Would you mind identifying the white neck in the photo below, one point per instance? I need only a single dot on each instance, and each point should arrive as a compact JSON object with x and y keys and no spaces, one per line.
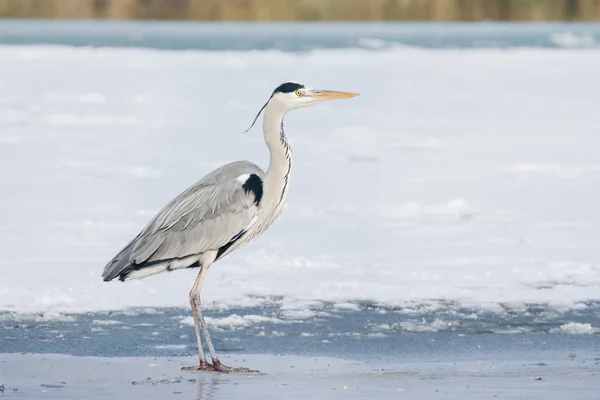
{"x":280,"y":165}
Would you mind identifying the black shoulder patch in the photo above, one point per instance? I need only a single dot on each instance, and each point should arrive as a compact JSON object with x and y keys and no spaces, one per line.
{"x":255,"y":185}
{"x":288,"y":87}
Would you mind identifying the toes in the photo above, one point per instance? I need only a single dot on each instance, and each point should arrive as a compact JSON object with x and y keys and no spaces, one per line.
{"x":218,"y":367}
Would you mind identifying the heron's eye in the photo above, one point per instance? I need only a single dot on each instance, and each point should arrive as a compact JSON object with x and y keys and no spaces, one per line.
{"x":298,"y":93}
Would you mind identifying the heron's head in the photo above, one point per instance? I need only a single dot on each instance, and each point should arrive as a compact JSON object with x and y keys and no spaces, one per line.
{"x":294,"y":95}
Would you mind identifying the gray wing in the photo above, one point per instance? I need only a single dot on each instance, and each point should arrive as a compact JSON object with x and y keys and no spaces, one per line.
{"x":206,"y":216}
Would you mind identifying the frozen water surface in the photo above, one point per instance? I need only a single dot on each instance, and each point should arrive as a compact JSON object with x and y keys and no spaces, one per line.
{"x":299,"y":36}
{"x":67,"y":377}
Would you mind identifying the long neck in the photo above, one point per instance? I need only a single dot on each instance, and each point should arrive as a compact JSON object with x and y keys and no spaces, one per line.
{"x":280,"y":165}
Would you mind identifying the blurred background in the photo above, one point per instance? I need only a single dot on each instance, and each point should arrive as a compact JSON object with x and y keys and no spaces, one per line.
{"x":307,"y":10}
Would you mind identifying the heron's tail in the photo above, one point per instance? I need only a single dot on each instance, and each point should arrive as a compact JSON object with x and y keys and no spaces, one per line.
{"x":119,"y":263}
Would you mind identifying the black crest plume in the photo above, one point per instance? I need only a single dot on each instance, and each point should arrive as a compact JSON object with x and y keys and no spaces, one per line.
{"x":257,"y":115}
{"x":287,"y":87}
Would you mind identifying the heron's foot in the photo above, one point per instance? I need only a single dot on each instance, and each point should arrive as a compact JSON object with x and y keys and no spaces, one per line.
{"x":224,"y":368}
{"x":201,"y":367}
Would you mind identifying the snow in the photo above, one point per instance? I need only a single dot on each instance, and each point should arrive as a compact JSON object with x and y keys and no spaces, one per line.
{"x":105,"y":322}
{"x":417,"y":326}
{"x":233,"y":321}
{"x":458,"y":178}
{"x":572,"y":40}
{"x":532,"y":170}
{"x":576,"y":328}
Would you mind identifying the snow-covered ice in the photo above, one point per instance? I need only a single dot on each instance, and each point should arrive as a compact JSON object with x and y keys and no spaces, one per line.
{"x":457,"y":178}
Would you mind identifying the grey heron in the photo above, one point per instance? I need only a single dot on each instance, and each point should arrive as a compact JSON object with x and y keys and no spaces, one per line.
{"x":220,"y":213}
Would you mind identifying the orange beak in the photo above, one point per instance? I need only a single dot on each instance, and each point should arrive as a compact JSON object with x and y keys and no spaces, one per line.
{"x":332,"y":95}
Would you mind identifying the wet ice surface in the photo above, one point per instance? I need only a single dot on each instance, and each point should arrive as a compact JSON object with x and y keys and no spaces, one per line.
{"x":290,"y":377}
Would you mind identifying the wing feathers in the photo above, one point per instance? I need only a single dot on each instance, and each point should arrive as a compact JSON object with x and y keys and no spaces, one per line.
{"x":144,"y":249}
{"x":204,"y":217}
